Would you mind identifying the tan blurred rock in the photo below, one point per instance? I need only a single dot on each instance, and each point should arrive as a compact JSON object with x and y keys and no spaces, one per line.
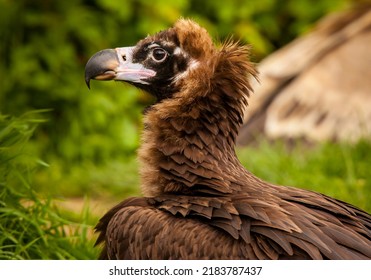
{"x":318,"y":87}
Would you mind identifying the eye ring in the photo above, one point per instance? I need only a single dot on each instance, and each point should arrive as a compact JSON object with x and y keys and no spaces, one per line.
{"x":159,"y":54}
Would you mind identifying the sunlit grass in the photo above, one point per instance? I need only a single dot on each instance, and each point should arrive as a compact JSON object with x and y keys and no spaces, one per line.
{"x":31,"y":228}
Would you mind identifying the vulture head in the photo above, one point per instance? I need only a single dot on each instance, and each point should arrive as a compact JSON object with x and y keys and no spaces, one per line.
{"x":174,"y":62}
{"x":162,"y":64}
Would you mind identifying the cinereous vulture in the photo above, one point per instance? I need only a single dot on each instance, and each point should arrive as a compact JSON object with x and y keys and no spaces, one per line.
{"x":198,"y":201}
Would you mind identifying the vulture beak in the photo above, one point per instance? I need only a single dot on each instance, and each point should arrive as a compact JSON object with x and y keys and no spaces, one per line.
{"x":116,"y":64}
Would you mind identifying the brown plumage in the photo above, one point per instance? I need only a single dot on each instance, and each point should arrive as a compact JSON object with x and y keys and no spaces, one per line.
{"x":199,"y":201}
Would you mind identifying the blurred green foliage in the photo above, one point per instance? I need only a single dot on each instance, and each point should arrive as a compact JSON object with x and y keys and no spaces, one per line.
{"x":31,"y":227}
{"x":44,"y":45}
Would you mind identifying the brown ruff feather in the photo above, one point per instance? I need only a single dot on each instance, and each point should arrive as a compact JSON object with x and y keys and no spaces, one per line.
{"x":200,"y":202}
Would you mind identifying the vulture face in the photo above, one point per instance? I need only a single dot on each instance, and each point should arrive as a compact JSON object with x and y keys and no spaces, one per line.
{"x":155,"y":64}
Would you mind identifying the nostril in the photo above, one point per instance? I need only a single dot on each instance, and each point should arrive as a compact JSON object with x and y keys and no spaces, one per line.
{"x":124,"y":57}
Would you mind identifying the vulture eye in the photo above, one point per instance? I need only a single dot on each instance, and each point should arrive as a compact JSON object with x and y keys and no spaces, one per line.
{"x":159,"y":55}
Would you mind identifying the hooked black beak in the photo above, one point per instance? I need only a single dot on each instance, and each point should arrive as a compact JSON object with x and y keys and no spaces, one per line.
{"x":116,"y":64}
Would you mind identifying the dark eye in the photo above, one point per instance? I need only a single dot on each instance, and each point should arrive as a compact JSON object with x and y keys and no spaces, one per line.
{"x":159,"y":55}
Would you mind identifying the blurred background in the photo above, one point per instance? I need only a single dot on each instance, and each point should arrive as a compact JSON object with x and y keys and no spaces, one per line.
{"x":68,"y":154}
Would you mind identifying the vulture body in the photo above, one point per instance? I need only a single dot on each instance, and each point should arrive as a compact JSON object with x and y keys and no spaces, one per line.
{"x":199,"y":201}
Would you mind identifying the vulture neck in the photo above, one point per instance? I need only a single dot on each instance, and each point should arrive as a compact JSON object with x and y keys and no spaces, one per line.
{"x":188,"y":152}
{"x":189,"y":139}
